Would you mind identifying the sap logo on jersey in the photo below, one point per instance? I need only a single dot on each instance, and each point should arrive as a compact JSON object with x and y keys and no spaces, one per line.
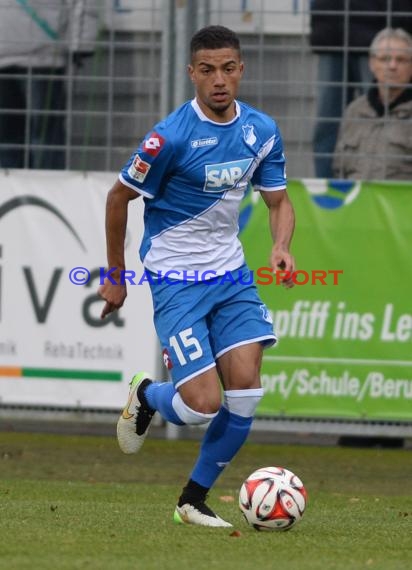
{"x":226,"y":175}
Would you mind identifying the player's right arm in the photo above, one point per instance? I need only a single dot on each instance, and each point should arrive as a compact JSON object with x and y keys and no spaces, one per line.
{"x":117,"y":204}
{"x":142,"y":175}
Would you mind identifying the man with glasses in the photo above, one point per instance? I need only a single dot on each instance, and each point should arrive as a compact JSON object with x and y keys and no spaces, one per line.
{"x":341,"y":32}
{"x":375,"y":137}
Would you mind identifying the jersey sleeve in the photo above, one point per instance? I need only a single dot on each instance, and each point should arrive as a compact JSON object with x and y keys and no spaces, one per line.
{"x":149,"y":165}
{"x":270,"y":175}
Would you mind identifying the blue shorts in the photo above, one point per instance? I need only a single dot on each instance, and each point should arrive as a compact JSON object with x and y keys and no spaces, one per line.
{"x":197,"y":322}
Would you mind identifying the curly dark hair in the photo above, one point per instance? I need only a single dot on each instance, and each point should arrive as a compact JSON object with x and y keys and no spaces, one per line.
{"x":214,"y":37}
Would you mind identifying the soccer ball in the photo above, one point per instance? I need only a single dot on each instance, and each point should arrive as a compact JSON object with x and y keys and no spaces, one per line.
{"x":272,"y":498}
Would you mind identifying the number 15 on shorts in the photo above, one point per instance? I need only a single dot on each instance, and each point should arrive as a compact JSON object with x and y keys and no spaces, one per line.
{"x":186,"y":346}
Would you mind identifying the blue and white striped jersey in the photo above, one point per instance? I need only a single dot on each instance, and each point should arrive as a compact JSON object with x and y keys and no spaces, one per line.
{"x":193,"y":173}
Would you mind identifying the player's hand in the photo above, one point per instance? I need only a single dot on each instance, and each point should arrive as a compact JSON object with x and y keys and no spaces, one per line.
{"x":283,"y":263}
{"x":114,"y":295}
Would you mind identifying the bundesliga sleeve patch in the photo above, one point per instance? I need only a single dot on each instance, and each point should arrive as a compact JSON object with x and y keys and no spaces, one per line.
{"x":138,"y":169}
{"x":154,"y":144}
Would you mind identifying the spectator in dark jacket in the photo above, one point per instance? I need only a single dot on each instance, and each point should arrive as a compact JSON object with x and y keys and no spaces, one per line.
{"x":341,"y":33}
{"x":40,"y":40}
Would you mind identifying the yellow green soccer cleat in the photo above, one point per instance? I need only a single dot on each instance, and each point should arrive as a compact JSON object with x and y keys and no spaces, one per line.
{"x":133,"y":425}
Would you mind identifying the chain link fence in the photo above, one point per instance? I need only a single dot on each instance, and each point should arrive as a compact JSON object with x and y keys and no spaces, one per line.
{"x":133,"y":72}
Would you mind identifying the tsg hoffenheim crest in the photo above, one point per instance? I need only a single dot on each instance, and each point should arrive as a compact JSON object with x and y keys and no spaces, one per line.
{"x":249,"y":134}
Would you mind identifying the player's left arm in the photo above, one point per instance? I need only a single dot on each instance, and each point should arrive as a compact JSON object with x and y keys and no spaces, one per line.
{"x":282,"y":225}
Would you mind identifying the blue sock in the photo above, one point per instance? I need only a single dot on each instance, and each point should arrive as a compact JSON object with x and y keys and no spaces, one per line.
{"x":224,"y":437}
{"x":159,"y":396}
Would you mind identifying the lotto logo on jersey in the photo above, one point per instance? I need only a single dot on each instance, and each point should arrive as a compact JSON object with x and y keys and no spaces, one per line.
{"x":226,"y":175}
{"x":153,"y":145}
{"x":138,"y":169}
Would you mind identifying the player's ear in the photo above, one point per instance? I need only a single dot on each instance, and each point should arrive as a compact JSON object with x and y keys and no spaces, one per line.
{"x":190,"y":71}
{"x":241,"y":67}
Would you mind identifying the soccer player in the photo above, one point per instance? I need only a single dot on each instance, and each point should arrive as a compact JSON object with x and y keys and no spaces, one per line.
{"x":193,"y":170}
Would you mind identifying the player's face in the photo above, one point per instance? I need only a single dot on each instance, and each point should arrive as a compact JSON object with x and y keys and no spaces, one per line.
{"x":216,"y":75}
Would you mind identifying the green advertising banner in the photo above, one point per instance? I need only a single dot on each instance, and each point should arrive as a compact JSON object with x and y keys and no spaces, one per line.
{"x":345,"y":331}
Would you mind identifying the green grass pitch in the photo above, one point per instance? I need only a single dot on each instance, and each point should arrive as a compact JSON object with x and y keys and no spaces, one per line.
{"x":76,"y":502}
